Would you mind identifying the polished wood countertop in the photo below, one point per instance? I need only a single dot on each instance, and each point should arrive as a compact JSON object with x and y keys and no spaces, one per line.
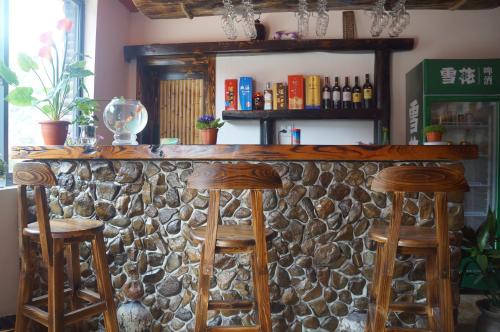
{"x":250,"y":152}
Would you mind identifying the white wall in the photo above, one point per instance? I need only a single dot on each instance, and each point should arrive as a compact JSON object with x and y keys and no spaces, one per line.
{"x":439,"y":34}
{"x":9,"y":253}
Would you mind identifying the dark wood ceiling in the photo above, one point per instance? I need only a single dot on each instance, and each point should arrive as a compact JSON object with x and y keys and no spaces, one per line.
{"x":191,"y":8}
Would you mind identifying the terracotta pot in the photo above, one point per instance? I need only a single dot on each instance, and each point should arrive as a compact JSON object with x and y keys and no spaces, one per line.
{"x":209,"y":136}
{"x":54,"y":132}
{"x":434,"y":136}
{"x":489,"y":320}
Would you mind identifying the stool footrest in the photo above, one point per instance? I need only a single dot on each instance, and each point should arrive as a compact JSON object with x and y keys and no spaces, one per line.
{"x":417,"y":308}
{"x":36,"y":314}
{"x":44,"y":298}
{"x":255,"y":328}
{"x":230,"y":305}
{"x":89,"y":296}
{"x":85,"y":312}
{"x":406,"y":329}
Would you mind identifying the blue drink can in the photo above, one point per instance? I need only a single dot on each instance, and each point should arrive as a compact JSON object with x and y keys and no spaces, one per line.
{"x":295,"y":136}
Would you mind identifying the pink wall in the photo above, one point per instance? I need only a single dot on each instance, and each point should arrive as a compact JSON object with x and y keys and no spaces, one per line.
{"x":111,"y":70}
{"x":439,"y":34}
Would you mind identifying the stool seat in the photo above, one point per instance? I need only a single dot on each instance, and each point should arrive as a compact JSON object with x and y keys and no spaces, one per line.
{"x":67,"y":228}
{"x":230,"y":235}
{"x":409,"y":236}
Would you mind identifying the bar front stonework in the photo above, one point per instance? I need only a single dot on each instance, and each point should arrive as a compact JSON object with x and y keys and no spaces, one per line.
{"x":320,"y":261}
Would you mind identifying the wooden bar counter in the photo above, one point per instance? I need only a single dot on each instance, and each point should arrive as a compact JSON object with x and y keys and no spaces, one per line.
{"x":320,"y":262}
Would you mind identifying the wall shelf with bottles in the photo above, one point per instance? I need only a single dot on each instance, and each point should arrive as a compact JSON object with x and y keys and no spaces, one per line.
{"x":152,"y":58}
{"x":363,"y":114}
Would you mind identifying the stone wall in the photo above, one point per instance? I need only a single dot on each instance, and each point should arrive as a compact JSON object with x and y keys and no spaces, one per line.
{"x":320,"y":262}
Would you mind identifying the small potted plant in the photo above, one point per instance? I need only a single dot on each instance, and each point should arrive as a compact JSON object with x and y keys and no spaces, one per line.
{"x":86,"y":119}
{"x":483,"y":265}
{"x":57,"y":77}
{"x":209,"y":127}
{"x":434,"y":133}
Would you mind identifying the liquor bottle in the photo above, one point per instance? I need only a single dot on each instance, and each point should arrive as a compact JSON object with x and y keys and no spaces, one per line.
{"x":336,"y":95}
{"x":367,"y":93}
{"x":268,"y":97}
{"x":346,"y":95}
{"x":356,"y":94}
{"x":326,"y":99}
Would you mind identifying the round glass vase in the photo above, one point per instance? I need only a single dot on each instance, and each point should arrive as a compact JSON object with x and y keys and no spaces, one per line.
{"x":88,"y":135}
{"x":125,"y":118}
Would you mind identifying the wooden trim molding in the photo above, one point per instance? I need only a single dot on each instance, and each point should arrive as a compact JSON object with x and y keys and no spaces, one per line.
{"x":250,"y":152}
{"x":262,"y":46}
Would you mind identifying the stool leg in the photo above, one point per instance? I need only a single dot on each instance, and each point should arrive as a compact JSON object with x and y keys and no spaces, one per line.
{"x":260,"y":260}
{"x":73,"y":270}
{"x":207,"y":261}
{"x":25,"y":289}
{"x":431,"y":277}
{"x":203,"y":289}
{"x":375,"y":286}
{"x":443,"y":262}
{"x":56,"y":288}
{"x":104,"y":282}
{"x":387,"y":264}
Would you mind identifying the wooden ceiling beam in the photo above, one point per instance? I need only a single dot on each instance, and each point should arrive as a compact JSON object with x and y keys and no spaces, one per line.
{"x":168,"y":9}
{"x":129,"y":4}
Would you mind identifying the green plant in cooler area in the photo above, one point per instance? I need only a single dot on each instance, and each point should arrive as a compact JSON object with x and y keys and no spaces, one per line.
{"x":485,"y":258}
{"x":208,"y":121}
{"x":437,"y":128}
{"x":87,"y":109}
{"x":56,"y":76}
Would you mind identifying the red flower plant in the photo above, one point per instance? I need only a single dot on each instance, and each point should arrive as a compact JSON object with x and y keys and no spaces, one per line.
{"x":65,"y":24}
{"x":46,"y":38}
{"x":45,"y":53}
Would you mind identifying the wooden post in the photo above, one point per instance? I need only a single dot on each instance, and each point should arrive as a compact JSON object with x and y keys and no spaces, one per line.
{"x":382,"y":86}
{"x":267,"y":130}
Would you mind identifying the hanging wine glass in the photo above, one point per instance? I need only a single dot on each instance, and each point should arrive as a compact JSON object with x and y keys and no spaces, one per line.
{"x":228,"y":20}
{"x":249,"y":19}
{"x":302,"y":19}
{"x":323,"y":18}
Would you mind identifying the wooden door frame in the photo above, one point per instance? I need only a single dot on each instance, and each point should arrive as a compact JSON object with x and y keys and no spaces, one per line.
{"x":149,"y":73}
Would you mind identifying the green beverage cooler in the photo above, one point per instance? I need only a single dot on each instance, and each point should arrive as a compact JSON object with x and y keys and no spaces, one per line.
{"x":464,"y":97}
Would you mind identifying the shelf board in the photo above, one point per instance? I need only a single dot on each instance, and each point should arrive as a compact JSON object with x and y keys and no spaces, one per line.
{"x":370,"y":114}
{"x":270,"y":46}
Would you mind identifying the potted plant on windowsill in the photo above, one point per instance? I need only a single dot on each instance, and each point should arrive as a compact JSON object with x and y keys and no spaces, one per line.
{"x":55,"y":93}
{"x":484,"y":262}
{"x":209,"y":127}
{"x":434,"y":133}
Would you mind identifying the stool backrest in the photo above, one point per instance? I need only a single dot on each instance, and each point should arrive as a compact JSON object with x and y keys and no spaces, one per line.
{"x":420,"y":179}
{"x":37,"y":175}
{"x":234,"y":176}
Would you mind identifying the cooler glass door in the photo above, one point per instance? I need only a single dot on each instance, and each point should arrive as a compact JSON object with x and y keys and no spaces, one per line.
{"x":473,"y":122}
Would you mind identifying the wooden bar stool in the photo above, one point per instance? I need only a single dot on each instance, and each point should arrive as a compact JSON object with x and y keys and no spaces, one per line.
{"x":432,"y":243}
{"x":216,"y":238}
{"x":58,"y":237}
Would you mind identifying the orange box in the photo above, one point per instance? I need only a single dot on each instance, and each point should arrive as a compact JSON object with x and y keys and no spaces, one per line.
{"x":295,"y":92}
{"x":231,"y":95}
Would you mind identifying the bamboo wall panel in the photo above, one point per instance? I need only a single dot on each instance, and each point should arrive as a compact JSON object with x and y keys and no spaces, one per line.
{"x":181,"y":103}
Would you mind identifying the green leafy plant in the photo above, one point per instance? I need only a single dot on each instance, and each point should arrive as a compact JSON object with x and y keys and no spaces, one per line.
{"x":208,"y":121}
{"x":434,"y":129}
{"x":87,"y":109}
{"x":486,"y":258}
{"x":57,"y":77}
{"x":3,"y":166}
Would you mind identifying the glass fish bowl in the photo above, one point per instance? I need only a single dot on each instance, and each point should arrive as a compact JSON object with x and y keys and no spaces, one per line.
{"x":125,"y":118}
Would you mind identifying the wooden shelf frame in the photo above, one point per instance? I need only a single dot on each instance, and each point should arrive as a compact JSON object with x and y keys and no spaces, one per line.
{"x":382,"y":49}
{"x":362,"y":114}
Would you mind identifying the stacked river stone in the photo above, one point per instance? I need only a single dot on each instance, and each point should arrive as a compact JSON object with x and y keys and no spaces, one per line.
{"x":320,"y":261}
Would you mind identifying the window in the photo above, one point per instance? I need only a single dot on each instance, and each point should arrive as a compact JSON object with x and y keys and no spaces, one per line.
{"x":4,"y":24}
{"x":25,"y":28}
